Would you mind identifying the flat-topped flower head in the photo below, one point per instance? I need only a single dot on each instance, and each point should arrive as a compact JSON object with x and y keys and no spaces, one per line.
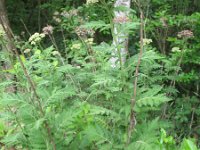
{"x":76,"y":46}
{"x":83,"y":32}
{"x":176,"y":49}
{"x":56,"y":13}
{"x":48,"y":30}
{"x":89,"y":41}
{"x":121,"y":19}
{"x":55,"y":53}
{"x":2,"y":32}
{"x":91,"y":1}
{"x":56,"y":16}
{"x":185,"y":34}
{"x":36,"y":38}
{"x":27,"y":50}
{"x":147,"y":41}
{"x":70,"y":13}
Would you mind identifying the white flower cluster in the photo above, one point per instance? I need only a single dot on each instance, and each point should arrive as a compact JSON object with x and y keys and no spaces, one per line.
{"x":76,"y":46}
{"x":2,"y":32}
{"x":89,"y":41}
{"x":56,"y":17}
{"x":176,"y":49}
{"x":54,"y":53}
{"x":91,"y":1}
{"x":48,"y":30}
{"x":66,"y":14}
{"x":147,"y":41}
{"x":27,"y":50}
{"x":185,"y":34}
{"x":36,"y":38}
{"x":70,"y":13}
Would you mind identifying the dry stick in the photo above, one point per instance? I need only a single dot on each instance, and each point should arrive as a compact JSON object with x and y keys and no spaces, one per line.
{"x":8,"y":51}
{"x":39,"y":15}
{"x":25,"y":27}
{"x":89,"y":52}
{"x":37,"y":97}
{"x":132,"y":113}
{"x":53,"y":40}
{"x":10,"y":54}
{"x":192,"y":119}
{"x":32,"y":86}
{"x":63,"y":36}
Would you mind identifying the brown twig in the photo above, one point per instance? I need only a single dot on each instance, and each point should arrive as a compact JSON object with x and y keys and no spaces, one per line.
{"x":63,"y":36}
{"x":39,"y":16}
{"x":89,"y":52}
{"x":31,"y":84}
{"x":37,"y":97}
{"x":25,"y":27}
{"x":192,"y":119}
{"x":132,"y":113}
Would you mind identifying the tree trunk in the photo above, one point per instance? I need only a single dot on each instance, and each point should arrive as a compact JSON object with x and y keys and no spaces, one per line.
{"x":7,"y":41}
{"x":120,"y":54}
{"x":6,"y":26}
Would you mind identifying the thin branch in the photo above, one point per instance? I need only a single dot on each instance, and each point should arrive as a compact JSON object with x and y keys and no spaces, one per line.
{"x":192,"y":119}
{"x":31,"y":84}
{"x":89,"y":52}
{"x":132,"y":113}
{"x":39,"y":16}
{"x":25,"y":27}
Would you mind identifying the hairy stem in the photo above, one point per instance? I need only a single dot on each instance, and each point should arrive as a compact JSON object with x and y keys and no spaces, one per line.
{"x":132,"y":113}
{"x":47,"y":127}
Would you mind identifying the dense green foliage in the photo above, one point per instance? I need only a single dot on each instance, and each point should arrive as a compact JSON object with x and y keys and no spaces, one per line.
{"x":71,"y":97}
